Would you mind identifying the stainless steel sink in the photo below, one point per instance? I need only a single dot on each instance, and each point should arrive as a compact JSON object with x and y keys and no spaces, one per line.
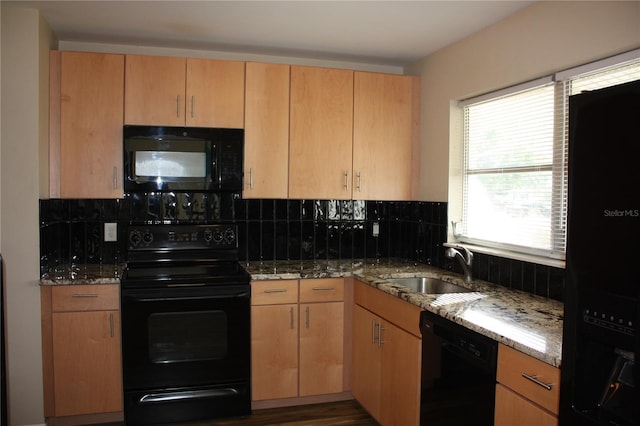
{"x":429,"y":285}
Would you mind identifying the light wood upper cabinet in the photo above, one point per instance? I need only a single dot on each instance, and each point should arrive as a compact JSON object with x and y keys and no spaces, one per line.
{"x":321,"y":128}
{"x":215,"y":93}
{"x":86,"y":125}
{"x":81,"y":350}
{"x":266,"y":159}
{"x":384,"y":135}
{"x":174,"y":91}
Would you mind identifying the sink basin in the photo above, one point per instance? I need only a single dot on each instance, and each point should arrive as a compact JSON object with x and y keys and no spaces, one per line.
{"x":429,"y":285}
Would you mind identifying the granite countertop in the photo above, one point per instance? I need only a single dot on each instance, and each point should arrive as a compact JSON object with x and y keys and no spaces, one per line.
{"x":83,"y":274}
{"x":528,"y":323}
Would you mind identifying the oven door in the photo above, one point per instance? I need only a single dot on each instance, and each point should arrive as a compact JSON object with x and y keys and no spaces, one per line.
{"x":186,"y":349}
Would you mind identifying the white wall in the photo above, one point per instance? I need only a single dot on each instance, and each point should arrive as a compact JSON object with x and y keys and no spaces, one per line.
{"x":25,"y":43}
{"x":547,"y":36}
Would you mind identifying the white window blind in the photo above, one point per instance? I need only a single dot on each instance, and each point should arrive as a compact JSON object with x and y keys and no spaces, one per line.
{"x":514,"y":183}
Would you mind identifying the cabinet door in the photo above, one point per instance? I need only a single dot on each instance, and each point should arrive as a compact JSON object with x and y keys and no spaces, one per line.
{"x":266,"y":136}
{"x":321,"y":348}
{"x":215,"y":93}
{"x":383,"y":131}
{"x":366,"y":365}
{"x":321,"y":128}
{"x":274,"y":351}
{"x":400,"y":387}
{"x":87,"y":364}
{"x":90,"y":125}
{"x":512,"y":409}
{"x":154,"y":90}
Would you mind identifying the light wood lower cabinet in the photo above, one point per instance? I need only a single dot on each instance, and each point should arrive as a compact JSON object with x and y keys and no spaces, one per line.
{"x":528,"y":390}
{"x":386,"y":356}
{"x":81,"y":351}
{"x":297,"y":338}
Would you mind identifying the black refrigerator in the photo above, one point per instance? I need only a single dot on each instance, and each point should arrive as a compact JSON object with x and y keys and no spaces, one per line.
{"x":601,"y":334}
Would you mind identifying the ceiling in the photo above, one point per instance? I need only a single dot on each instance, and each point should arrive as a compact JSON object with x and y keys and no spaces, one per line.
{"x":393,"y":33}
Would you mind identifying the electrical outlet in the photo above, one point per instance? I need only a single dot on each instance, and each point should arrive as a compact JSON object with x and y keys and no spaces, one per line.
{"x":110,"y":232}
{"x":376,"y":229}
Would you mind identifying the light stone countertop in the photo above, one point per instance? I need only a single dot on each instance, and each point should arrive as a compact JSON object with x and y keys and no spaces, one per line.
{"x":528,"y":323}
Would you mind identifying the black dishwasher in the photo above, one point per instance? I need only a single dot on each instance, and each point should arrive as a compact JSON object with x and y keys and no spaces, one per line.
{"x":458,"y":374}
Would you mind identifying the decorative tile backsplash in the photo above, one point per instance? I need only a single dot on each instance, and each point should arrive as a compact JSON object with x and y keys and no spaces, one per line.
{"x":71,"y":232}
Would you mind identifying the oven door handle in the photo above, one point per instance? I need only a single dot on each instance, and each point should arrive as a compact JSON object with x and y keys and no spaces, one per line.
{"x":179,"y":298}
{"x":152,"y":398}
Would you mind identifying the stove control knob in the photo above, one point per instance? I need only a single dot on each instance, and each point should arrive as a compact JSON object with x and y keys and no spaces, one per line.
{"x":208,"y":235}
{"x":134,"y":238}
{"x":217,"y":237}
{"x":229,"y":236}
{"x":147,"y":238}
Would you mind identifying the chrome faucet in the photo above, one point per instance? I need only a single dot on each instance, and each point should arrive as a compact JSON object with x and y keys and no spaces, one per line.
{"x":465,"y":259}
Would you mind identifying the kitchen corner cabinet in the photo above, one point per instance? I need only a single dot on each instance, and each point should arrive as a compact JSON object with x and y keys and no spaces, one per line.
{"x":81,"y":350}
{"x":385,"y":134}
{"x":297,"y":337}
{"x":173,"y":91}
{"x":321,"y":133}
{"x":266,"y":136}
{"x":528,"y":390}
{"x":86,"y":110}
{"x":386,"y":356}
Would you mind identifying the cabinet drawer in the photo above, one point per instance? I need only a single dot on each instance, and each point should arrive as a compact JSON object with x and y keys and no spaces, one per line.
{"x":401,"y":313}
{"x":520,"y":372}
{"x":96,"y":297}
{"x":274,"y":292}
{"x":322,"y":290}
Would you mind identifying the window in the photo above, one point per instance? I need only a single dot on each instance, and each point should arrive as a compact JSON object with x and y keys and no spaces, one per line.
{"x":514,"y":174}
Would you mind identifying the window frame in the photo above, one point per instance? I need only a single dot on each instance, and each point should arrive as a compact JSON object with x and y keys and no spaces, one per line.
{"x":561,"y":81}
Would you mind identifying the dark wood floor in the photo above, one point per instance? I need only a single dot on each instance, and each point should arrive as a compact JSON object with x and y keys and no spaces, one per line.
{"x":344,"y":413}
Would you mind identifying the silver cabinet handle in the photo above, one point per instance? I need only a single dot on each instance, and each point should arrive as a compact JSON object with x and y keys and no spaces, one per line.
{"x":115,"y":177}
{"x":276,"y":290}
{"x":250,"y":178}
{"x":193,"y":106}
{"x":323,"y":288}
{"x":359,"y":186}
{"x":534,"y":379}
{"x":111,"y":325}
{"x":291,"y":318}
{"x":346,"y":180}
{"x":307,"y":317}
{"x":178,"y":106}
{"x":84,"y":295}
{"x":380,"y":330}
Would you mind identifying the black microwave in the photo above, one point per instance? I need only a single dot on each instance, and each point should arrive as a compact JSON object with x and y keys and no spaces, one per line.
{"x":160,"y":159}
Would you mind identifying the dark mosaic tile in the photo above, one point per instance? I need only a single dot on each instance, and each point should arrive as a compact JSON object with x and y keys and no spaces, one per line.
{"x":281,"y":208}
{"x":529,"y":278}
{"x":254,"y":235}
{"x":268,"y":210}
{"x":267,"y":248}
{"x":282,"y":241}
